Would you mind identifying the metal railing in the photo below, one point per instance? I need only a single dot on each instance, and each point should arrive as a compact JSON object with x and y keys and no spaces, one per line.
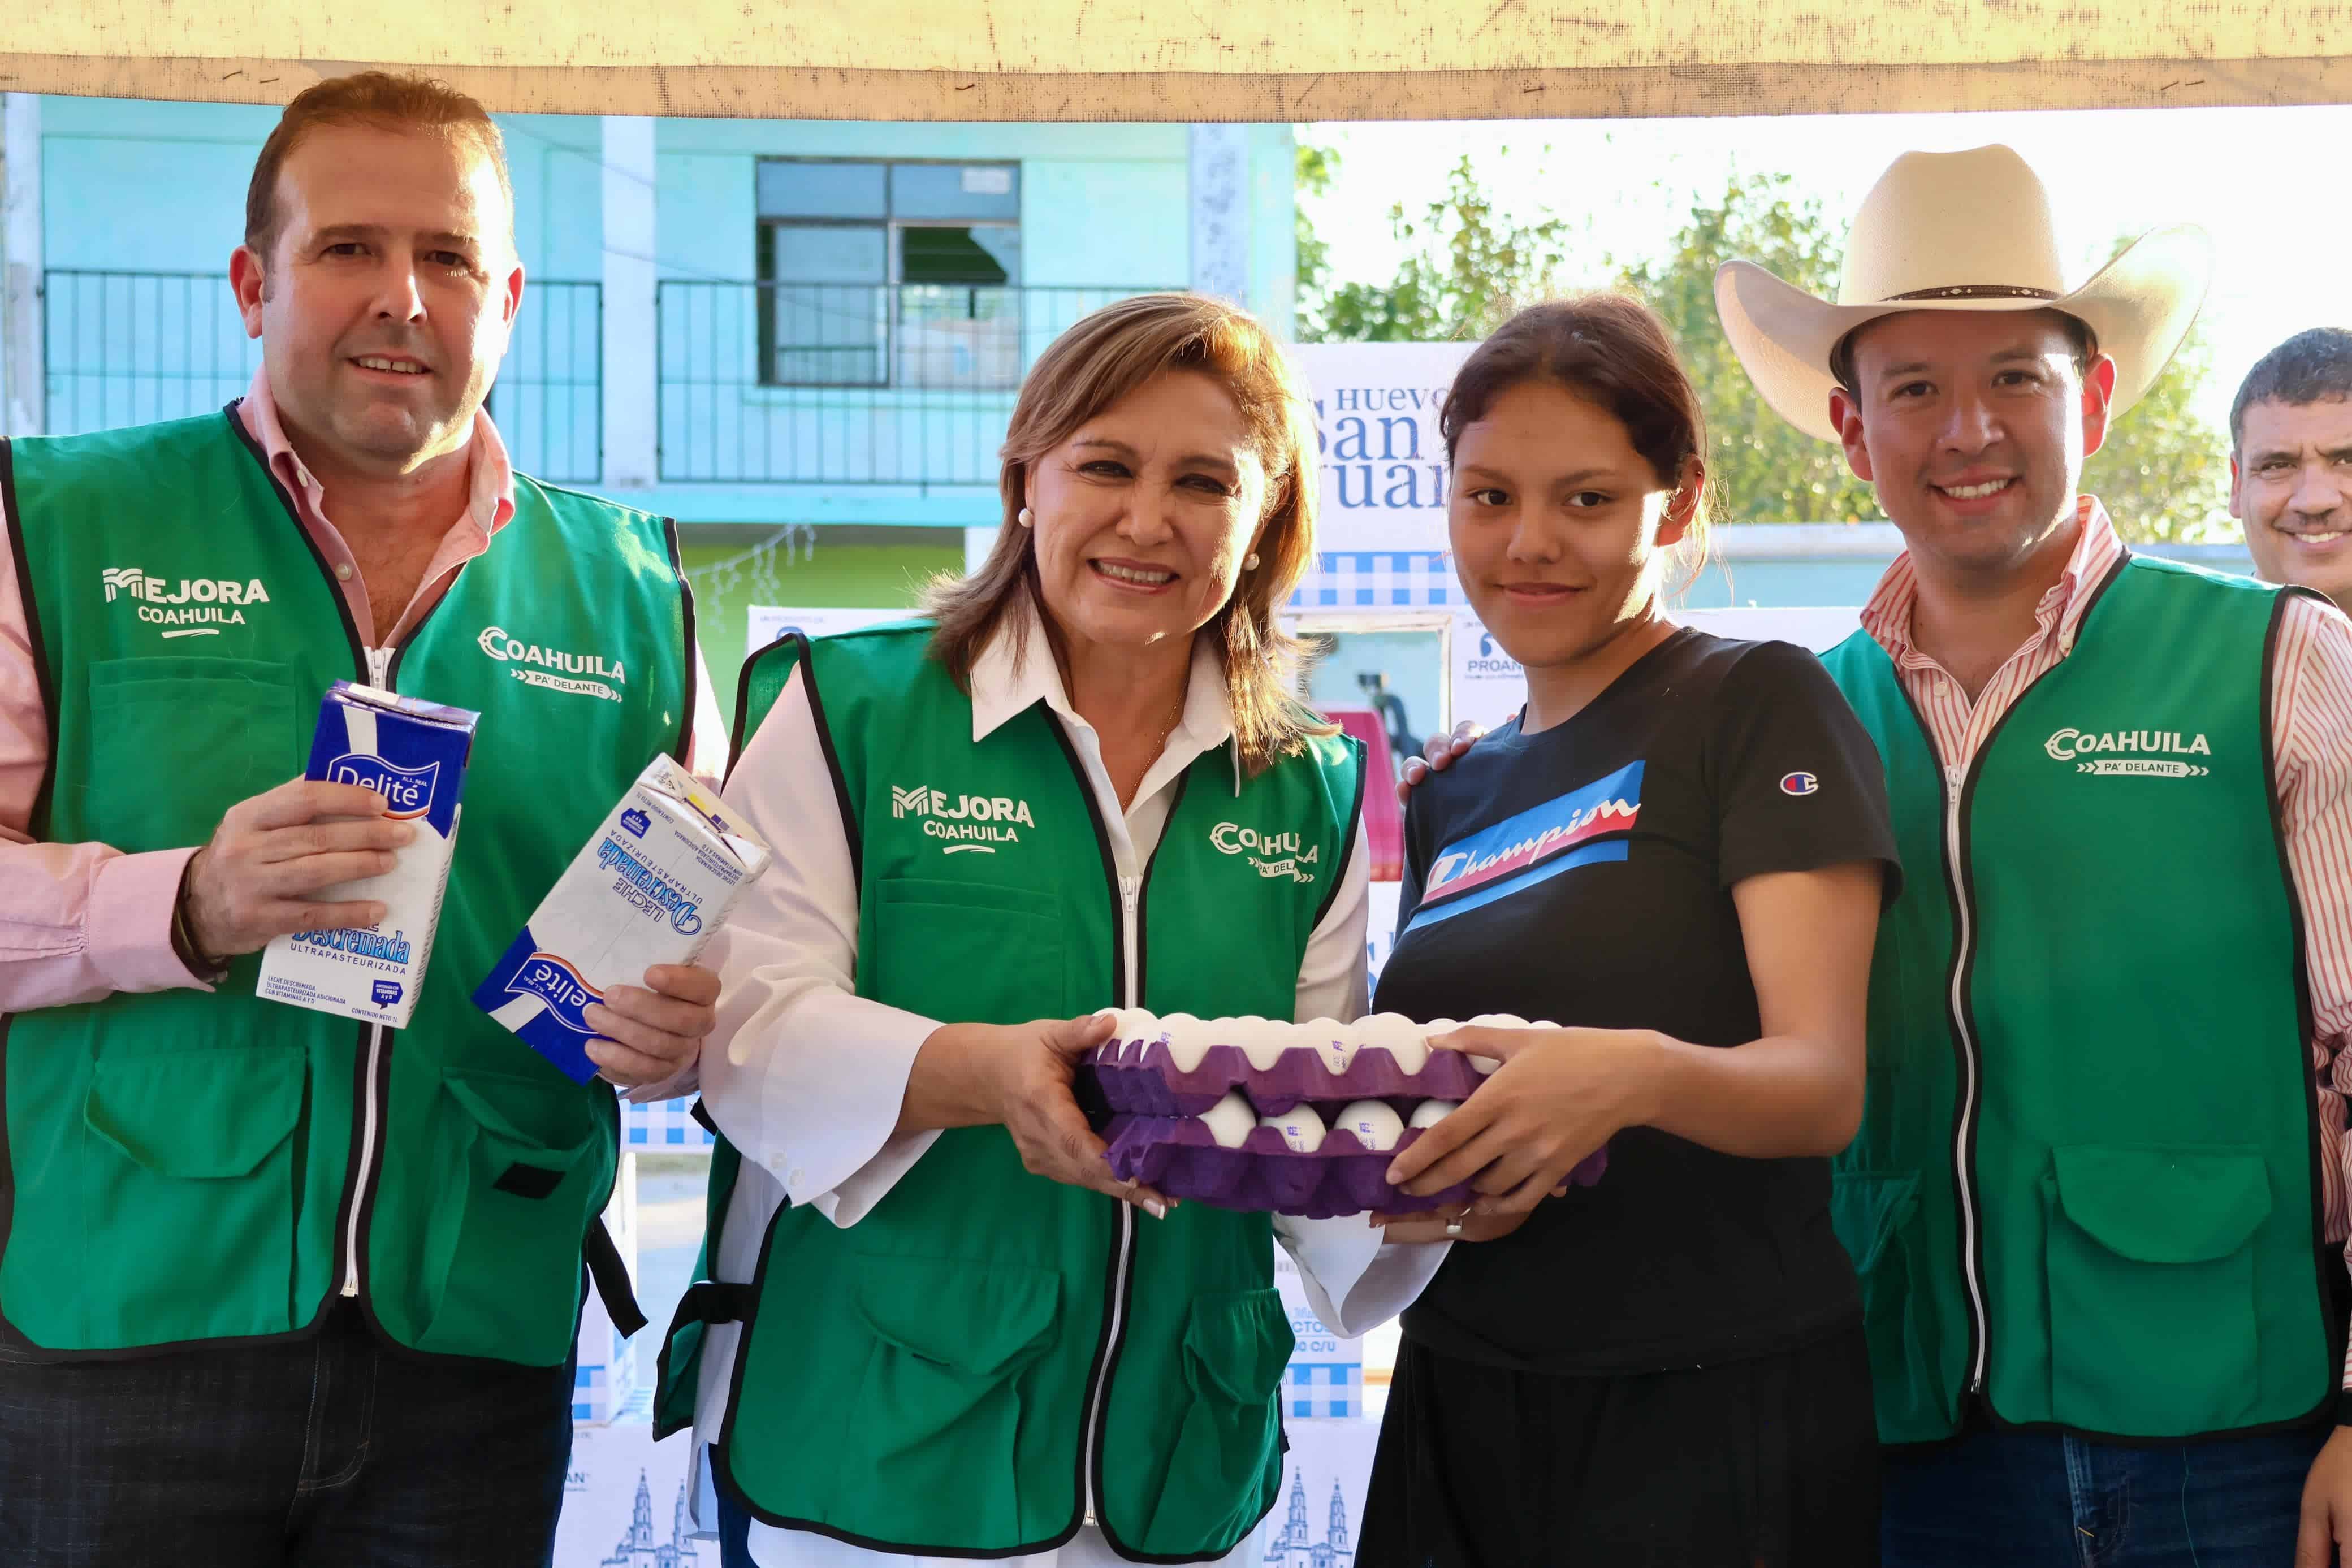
{"x":130,"y":347}
{"x":849,"y":383}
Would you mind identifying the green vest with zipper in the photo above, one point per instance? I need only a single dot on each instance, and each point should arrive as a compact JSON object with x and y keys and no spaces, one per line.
{"x":947,"y":1375}
{"x":183,"y":1166}
{"x":2086,"y":1186}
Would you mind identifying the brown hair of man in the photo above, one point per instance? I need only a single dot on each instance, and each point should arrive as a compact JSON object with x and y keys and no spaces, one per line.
{"x":380,"y":99}
{"x":1099,"y":361}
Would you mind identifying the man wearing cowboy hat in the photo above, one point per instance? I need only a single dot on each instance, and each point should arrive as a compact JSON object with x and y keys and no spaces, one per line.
{"x":2097,"y":1200}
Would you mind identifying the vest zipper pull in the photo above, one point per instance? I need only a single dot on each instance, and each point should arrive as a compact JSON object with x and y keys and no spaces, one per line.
{"x":379,"y":668}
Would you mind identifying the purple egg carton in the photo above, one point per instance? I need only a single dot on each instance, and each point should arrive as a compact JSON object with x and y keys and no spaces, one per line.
{"x":1177,"y":1155}
{"x":1140,"y":1078}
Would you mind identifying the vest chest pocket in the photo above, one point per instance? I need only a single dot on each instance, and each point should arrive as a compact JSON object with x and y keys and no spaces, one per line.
{"x":189,"y":1193}
{"x":1236,"y":1344}
{"x":968,"y":953}
{"x":502,"y":1246}
{"x":2151,"y":1266}
{"x":221,"y":730}
{"x":936,"y":1421}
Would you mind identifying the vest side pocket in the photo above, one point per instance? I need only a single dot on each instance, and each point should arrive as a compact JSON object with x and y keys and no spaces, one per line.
{"x":1236,"y":1343}
{"x":935,"y":1421}
{"x":2152,"y":1307}
{"x":501,"y":1264}
{"x":141,"y":729}
{"x":1871,"y":1213}
{"x":189,"y":1190}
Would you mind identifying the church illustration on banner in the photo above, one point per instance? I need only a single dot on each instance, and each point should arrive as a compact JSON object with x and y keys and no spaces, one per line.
{"x":639,"y":1550}
{"x":1292,"y":1549}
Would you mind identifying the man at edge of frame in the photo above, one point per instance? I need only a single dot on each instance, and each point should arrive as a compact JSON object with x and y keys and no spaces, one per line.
{"x":277,"y":1287}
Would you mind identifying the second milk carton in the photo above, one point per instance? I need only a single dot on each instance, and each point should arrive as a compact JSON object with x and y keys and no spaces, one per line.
{"x":650,"y":887}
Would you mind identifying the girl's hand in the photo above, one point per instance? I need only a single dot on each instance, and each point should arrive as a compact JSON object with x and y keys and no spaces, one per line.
{"x":1559,"y":1094}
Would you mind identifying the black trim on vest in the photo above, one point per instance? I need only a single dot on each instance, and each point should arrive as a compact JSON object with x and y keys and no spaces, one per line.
{"x":603,"y":1260}
{"x":739,"y":740}
{"x":684,"y":751}
{"x":701,"y":1113}
{"x":342,"y":605}
{"x":1351,"y":829}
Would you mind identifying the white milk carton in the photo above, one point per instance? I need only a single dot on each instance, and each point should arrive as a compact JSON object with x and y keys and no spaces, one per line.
{"x":414,"y":754}
{"x":652,"y":885}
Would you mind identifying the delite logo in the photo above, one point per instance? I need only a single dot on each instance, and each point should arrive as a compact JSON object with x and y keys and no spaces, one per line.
{"x":976,"y":823}
{"x":554,"y":981}
{"x":2129,"y":753}
{"x":408,"y":792}
{"x":1274,"y":854}
{"x":183,"y":607}
{"x":584,"y":674}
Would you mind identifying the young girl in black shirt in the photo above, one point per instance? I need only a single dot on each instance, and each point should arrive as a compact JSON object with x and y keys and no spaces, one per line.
{"x":1677,"y":854}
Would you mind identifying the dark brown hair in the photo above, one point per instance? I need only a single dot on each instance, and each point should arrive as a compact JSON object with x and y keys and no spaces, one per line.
{"x":368,"y":98}
{"x":1103,"y":359}
{"x":1610,"y":350}
{"x":2085,"y":341}
{"x":2308,"y":368}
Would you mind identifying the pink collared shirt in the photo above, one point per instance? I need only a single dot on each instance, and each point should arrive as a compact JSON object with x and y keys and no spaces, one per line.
{"x":2311,"y":737}
{"x":79,"y":920}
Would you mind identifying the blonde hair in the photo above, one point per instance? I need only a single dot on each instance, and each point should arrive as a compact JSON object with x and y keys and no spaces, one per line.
{"x":1102,"y":359}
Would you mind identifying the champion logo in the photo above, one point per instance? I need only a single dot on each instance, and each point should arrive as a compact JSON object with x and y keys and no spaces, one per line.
{"x":1799,"y":784}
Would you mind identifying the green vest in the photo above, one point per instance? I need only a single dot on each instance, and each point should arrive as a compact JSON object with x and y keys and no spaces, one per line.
{"x":2086,"y":1187}
{"x":183,"y":1166}
{"x":947,"y":1375}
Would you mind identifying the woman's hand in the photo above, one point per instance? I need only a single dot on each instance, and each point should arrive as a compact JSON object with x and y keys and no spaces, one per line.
{"x":1559,"y":1094}
{"x":1018,"y":1076}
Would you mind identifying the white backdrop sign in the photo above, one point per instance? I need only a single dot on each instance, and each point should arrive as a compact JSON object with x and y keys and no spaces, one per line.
{"x":1382,"y":460}
{"x":769,"y":621}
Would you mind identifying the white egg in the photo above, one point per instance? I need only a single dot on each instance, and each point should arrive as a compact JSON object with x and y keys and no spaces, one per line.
{"x":1432,"y":1111}
{"x":1230,"y":1121}
{"x":1137,"y":1024}
{"x":1375,"y":1126}
{"x":1301,"y":1128}
{"x":1263,"y":1040}
{"x":1188,"y":1039}
{"x":1406,"y":1042}
{"x":1331,"y":1041}
{"x":1495,"y":1020}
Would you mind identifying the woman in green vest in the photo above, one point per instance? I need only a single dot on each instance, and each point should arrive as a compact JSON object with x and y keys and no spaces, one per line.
{"x":936,"y":1325}
{"x":1677,"y":850}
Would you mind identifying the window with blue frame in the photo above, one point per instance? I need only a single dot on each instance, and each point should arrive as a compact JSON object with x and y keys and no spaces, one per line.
{"x":889,"y":274}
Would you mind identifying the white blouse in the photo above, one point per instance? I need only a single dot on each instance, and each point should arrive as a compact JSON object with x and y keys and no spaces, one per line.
{"x":806,"y":1078}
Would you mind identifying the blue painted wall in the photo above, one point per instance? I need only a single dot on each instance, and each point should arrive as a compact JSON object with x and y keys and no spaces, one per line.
{"x":131,"y":186}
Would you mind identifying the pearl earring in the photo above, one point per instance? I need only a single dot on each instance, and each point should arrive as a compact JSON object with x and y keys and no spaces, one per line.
{"x":1249,"y":562}
{"x":1025,"y":517}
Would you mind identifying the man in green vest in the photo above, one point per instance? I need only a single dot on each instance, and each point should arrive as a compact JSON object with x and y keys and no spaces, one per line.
{"x":2097,"y":1201}
{"x":2291,"y":462}
{"x":277,"y":1287}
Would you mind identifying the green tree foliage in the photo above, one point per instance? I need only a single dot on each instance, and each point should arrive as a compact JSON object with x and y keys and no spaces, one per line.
{"x":1467,"y":267}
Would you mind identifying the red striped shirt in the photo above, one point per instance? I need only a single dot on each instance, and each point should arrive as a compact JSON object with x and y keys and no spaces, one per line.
{"x":2311,"y":687}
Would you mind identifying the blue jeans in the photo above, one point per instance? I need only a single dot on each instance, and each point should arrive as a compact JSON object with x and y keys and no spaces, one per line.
{"x":328,"y":1451}
{"x":2036,"y":1500}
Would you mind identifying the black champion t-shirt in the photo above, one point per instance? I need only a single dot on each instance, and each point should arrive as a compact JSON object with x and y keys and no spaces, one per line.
{"x":1582,"y":876}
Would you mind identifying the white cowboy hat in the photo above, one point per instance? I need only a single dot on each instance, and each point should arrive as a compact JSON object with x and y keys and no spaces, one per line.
{"x":1961,"y":231}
